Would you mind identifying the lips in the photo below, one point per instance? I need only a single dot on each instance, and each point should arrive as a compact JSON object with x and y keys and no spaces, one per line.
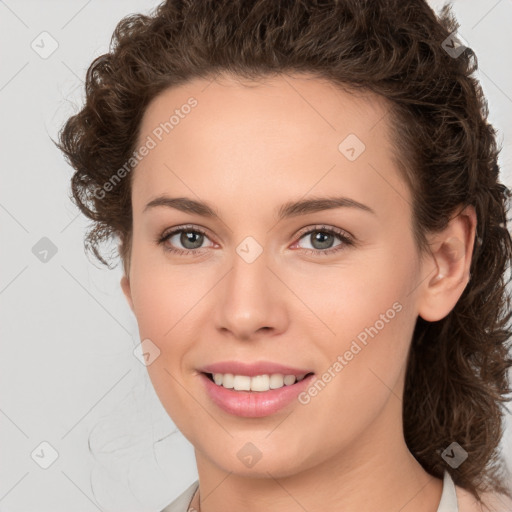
{"x":254,"y":403}
{"x":253,"y":369}
{"x":250,"y":404}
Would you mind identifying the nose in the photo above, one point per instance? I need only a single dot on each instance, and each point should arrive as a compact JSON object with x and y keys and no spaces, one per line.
{"x":251,"y":300}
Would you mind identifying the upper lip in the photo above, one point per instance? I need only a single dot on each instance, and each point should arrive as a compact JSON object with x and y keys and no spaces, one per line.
{"x":253,"y":369}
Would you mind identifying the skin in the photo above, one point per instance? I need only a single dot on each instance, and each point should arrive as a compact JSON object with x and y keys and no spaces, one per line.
{"x":246,"y":149}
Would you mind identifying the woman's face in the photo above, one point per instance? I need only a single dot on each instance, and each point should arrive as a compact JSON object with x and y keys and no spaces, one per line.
{"x":261,"y":287}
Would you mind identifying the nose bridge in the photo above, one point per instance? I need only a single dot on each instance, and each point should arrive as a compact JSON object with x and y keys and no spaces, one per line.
{"x":249,"y":268}
{"x":249,"y":277}
{"x":250,"y":297}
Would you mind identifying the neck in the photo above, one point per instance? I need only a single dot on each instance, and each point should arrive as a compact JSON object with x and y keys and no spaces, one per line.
{"x":373,"y":473}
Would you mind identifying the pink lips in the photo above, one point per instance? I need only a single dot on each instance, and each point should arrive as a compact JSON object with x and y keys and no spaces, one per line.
{"x":253,"y":369}
{"x":253,"y":404}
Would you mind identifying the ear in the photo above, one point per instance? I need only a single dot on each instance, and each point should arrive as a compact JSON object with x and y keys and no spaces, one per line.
{"x":125,"y":285}
{"x":450,"y":257}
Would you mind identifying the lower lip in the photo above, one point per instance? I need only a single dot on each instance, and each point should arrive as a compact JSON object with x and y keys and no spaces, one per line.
{"x":253,"y":404}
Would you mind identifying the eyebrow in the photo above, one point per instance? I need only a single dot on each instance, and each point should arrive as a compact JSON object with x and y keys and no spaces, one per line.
{"x":287,"y":210}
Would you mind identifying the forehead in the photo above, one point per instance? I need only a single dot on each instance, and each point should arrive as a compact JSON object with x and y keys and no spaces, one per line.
{"x":266,"y":104}
{"x":274,"y":138}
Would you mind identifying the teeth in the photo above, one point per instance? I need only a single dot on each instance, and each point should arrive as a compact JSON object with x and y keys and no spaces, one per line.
{"x":276,"y":381}
{"x":242,"y":383}
{"x":260,"y":383}
{"x":256,"y":383}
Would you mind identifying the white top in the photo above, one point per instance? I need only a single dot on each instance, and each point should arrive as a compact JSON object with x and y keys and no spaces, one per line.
{"x":448,"y":501}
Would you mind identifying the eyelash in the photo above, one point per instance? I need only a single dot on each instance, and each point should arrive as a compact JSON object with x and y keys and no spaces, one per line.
{"x":346,"y":240}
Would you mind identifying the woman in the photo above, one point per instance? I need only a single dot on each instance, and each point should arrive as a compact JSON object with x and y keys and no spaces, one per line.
{"x":314,"y":243}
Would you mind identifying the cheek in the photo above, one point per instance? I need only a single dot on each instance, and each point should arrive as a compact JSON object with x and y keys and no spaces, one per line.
{"x":366,"y":297}
{"x":164,"y":308}
{"x":363,"y":368}
{"x":370,"y":310}
{"x":164,"y":294}
{"x":371,"y":343}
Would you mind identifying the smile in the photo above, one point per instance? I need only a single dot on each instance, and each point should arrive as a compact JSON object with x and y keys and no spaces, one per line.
{"x":259,"y":383}
{"x":259,"y":402}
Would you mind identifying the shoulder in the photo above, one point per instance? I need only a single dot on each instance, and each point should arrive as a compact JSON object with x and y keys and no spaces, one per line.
{"x":492,"y":502}
{"x":182,"y":502}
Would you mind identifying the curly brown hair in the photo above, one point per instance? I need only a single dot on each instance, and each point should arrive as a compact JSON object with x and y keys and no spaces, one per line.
{"x":457,"y":375}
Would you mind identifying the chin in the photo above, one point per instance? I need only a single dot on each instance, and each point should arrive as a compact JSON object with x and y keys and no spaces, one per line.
{"x":270,"y":460}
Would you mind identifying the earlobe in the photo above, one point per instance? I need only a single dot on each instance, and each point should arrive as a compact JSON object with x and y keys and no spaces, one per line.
{"x":451,"y":255}
{"x":125,"y":286}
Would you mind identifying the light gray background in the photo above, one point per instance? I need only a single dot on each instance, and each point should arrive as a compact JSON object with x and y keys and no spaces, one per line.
{"x":67,"y":369}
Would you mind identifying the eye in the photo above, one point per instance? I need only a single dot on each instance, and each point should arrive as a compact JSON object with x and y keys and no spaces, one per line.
{"x":323,"y":239}
{"x":190,"y":237}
